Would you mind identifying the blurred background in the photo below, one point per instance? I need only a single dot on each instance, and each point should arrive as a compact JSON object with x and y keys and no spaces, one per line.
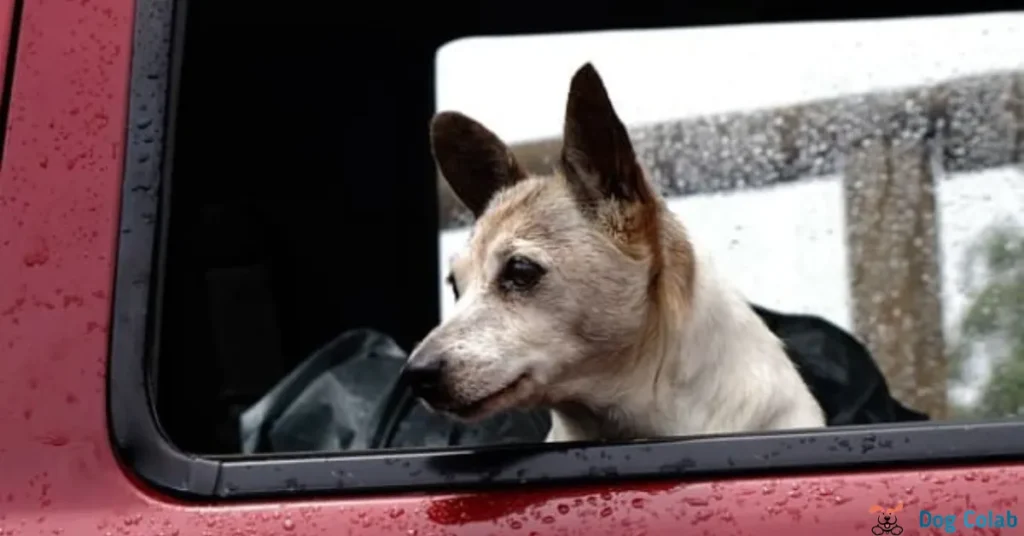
{"x":868,"y":172}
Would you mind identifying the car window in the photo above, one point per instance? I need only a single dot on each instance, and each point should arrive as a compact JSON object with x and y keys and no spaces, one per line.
{"x":854,"y":184}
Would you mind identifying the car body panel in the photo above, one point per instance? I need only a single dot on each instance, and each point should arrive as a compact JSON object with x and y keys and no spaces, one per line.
{"x":60,"y":189}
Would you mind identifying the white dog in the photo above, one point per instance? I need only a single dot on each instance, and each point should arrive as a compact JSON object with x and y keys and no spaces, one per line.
{"x":581,"y":292}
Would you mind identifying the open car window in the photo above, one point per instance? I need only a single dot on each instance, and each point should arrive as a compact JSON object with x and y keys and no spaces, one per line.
{"x":862,"y":194}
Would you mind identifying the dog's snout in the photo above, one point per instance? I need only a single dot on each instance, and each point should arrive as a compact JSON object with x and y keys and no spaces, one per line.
{"x":425,"y":376}
{"x":424,"y":371}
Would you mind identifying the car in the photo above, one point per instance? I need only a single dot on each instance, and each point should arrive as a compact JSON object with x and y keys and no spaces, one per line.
{"x":141,"y":157}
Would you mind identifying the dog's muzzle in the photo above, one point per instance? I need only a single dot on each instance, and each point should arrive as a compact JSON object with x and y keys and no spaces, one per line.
{"x":425,"y":377}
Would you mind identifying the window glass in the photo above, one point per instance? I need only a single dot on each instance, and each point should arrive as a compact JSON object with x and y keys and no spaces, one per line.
{"x":766,"y":141}
{"x":858,"y":182}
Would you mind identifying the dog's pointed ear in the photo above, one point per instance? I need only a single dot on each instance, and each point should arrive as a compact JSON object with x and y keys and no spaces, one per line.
{"x":474,"y":161}
{"x":597,"y":155}
{"x":898,"y":507}
{"x":874,"y":509}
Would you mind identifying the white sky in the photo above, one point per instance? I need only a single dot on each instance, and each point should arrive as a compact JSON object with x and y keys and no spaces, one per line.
{"x":517,"y":87}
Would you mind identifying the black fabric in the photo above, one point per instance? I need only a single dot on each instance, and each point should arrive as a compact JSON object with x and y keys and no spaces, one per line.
{"x":348,"y":396}
{"x":838,"y":370}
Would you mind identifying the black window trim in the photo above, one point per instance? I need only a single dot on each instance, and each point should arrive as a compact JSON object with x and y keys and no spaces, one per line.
{"x":143,"y":447}
{"x":10,"y":63}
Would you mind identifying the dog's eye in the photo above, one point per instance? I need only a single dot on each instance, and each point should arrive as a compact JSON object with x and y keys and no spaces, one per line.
{"x":451,"y":282}
{"x":520,"y":274}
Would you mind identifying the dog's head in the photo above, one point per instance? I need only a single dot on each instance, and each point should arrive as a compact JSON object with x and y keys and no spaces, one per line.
{"x":555,"y":283}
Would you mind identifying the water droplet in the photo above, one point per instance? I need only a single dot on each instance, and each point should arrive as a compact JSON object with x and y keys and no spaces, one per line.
{"x":36,"y":258}
{"x":54,"y":440}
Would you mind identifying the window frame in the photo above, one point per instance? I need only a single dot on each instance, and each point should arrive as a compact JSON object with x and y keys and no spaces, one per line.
{"x":141,"y":444}
{"x":10,"y":34}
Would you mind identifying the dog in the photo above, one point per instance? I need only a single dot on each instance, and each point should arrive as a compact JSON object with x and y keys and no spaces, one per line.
{"x":886,"y":520}
{"x":580,"y":292}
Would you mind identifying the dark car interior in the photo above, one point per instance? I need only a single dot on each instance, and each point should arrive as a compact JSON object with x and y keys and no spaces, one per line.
{"x":297,"y":214}
{"x":284,"y":230}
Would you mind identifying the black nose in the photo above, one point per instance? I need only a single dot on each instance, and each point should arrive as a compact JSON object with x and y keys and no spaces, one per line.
{"x":425,"y":377}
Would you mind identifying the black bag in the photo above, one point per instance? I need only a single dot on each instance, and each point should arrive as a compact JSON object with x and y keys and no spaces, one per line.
{"x":838,"y":370}
{"x":347,"y":396}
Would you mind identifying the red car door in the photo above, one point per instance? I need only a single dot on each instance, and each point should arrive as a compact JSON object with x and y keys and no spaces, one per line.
{"x":82,"y":454}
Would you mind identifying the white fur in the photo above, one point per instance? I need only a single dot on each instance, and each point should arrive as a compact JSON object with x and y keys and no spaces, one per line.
{"x":726,"y":372}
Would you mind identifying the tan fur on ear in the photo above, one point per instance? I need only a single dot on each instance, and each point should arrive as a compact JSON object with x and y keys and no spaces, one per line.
{"x":473,"y":160}
{"x":875,"y":509}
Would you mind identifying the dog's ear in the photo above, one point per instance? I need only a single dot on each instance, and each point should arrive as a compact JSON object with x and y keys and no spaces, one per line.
{"x":474,"y":161}
{"x":597,"y":155}
{"x":875,"y":509}
{"x":898,"y":507}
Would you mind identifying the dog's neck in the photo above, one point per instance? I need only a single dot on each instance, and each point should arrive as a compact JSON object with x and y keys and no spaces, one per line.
{"x":631,"y":391}
{"x":704,"y":363}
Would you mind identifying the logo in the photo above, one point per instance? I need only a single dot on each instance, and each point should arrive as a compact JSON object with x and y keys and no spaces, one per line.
{"x":969,"y":519}
{"x":886,"y":520}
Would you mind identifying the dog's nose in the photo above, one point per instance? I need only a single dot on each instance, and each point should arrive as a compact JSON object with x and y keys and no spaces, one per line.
{"x":424,"y":376}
